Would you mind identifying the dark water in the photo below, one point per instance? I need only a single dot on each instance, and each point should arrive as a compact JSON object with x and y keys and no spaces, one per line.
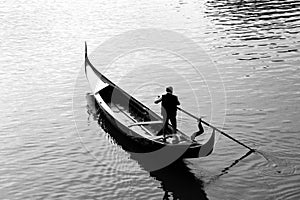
{"x":52,"y":148}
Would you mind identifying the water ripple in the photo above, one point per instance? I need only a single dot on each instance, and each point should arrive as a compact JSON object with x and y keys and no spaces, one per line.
{"x":256,"y":20}
{"x":255,"y":45}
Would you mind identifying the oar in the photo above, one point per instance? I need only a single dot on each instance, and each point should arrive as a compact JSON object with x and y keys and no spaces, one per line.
{"x":207,"y":124}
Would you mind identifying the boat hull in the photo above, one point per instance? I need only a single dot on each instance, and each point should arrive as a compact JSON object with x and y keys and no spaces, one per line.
{"x":147,"y":141}
{"x":133,"y":142}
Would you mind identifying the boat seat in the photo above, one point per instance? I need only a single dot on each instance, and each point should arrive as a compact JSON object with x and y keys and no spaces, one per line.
{"x":145,"y":123}
{"x":156,"y":137}
{"x":159,"y":137}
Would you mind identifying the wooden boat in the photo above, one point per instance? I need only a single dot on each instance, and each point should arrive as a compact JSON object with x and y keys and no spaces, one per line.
{"x":138,"y":124}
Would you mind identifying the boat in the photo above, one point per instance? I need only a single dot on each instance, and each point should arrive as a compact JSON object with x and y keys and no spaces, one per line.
{"x":140,"y":127}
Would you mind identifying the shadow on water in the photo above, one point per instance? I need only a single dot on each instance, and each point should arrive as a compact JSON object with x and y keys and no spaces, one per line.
{"x":255,"y":20}
{"x":177,"y":181}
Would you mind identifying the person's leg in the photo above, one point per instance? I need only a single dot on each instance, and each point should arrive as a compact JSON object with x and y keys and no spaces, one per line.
{"x":165,"y":124}
{"x":174,"y":123}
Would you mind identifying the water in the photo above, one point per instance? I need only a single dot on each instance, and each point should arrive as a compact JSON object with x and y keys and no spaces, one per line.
{"x":44,"y":154}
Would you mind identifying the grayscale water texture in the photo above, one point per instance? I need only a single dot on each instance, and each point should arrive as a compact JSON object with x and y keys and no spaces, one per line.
{"x":51,"y":148}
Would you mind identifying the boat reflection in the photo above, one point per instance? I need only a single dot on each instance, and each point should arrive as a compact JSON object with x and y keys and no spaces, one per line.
{"x":91,"y":106}
{"x":176,"y":180}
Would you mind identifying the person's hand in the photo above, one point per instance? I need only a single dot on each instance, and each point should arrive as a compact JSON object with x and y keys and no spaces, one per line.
{"x":157,"y":100}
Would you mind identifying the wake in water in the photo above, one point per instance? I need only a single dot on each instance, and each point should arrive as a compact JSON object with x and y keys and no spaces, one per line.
{"x":275,"y":166}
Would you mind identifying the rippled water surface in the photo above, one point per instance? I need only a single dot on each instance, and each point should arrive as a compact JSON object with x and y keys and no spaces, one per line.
{"x":52,"y":148}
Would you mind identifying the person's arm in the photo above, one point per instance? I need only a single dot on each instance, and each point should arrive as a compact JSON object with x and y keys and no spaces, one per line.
{"x":159,"y":99}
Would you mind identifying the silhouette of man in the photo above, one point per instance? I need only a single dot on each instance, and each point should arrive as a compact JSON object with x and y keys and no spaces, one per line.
{"x":169,"y":103}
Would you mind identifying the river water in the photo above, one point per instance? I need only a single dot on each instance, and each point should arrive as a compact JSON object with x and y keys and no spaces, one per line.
{"x":52,"y":148}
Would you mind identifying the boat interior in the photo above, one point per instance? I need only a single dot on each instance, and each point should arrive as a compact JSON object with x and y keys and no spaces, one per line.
{"x":137,"y":117}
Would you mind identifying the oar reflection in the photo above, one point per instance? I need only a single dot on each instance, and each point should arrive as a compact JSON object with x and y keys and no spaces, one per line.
{"x":226,"y":169}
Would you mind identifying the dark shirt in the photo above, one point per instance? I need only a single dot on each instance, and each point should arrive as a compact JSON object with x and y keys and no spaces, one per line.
{"x":170,"y":102}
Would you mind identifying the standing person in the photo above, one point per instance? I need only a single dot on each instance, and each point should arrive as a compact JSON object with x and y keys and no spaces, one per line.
{"x":169,"y":103}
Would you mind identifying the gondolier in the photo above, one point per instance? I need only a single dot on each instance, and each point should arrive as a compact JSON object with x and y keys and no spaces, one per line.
{"x":169,"y":103}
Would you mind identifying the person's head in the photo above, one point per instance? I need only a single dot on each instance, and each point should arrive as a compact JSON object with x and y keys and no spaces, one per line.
{"x":169,"y":89}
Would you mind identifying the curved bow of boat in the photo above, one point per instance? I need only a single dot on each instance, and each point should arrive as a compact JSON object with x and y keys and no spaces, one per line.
{"x":207,"y":148}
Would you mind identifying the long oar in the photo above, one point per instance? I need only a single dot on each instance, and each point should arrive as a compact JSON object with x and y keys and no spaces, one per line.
{"x":215,"y":129}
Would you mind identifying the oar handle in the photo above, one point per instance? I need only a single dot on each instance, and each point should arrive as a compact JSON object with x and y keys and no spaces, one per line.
{"x":207,"y":124}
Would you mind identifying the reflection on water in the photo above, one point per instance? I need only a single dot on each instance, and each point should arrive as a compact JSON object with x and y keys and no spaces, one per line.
{"x":226,"y":169}
{"x":92,"y":106}
{"x":179,"y":183}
